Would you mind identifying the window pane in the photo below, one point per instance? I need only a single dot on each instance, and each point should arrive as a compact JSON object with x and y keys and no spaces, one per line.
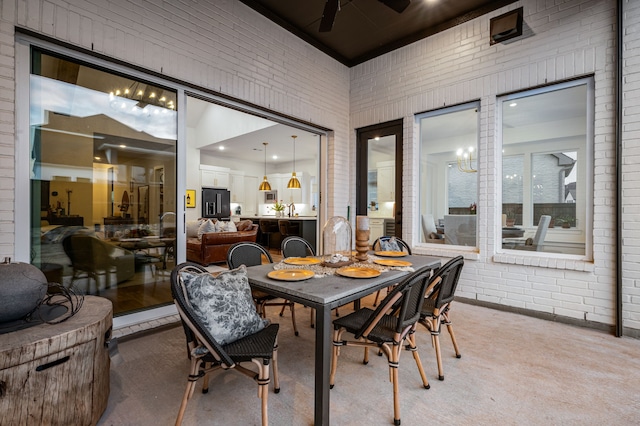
{"x":554,"y":187}
{"x":448,"y":175}
{"x":512,"y":189}
{"x":543,"y":168}
{"x":103,"y":150}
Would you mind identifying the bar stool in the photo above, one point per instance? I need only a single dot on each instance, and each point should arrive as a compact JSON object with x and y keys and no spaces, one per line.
{"x":266,"y":229}
{"x":289,"y":228}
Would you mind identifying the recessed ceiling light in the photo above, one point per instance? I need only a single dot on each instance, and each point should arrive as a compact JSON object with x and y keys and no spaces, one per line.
{"x":275,"y":157}
{"x":221,"y":148}
{"x":513,"y":104}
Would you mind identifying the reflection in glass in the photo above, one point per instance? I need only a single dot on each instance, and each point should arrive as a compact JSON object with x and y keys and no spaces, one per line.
{"x":543,"y":168}
{"x":98,"y":140}
{"x":448,"y":175}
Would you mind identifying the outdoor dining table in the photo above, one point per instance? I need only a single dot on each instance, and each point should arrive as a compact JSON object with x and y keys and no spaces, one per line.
{"x":324,"y":294}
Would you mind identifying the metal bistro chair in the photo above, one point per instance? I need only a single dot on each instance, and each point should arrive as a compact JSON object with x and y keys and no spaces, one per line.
{"x":207,"y":354}
{"x":435,"y":310}
{"x":387,"y":328}
{"x":378,"y":244}
{"x":251,"y":254}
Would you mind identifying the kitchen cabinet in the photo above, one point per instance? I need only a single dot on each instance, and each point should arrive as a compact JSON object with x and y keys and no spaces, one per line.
{"x":214,"y":177}
{"x":376,"y":229}
{"x":279,"y":182}
{"x":237,"y":187}
{"x":386,"y":181}
{"x":250,"y":205}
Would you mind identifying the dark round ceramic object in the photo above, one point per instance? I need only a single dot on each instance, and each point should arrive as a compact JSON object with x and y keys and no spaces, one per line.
{"x":22,"y":287}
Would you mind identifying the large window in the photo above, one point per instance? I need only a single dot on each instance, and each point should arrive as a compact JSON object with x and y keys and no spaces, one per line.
{"x":546,"y":179}
{"x":103,"y":182}
{"x":448,"y":175}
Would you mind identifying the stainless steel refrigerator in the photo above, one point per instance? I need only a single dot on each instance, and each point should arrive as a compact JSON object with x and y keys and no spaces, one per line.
{"x":216,"y":203}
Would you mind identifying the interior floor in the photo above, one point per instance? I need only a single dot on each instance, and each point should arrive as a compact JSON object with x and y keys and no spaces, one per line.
{"x":149,"y":287}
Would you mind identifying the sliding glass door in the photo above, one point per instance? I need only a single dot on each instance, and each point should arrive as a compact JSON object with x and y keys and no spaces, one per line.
{"x":103,"y":181}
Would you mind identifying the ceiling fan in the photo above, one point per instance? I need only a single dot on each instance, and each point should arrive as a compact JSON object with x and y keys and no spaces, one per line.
{"x":332,"y":6}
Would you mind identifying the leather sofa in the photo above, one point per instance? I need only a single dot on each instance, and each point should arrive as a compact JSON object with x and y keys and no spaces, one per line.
{"x":213,"y":247}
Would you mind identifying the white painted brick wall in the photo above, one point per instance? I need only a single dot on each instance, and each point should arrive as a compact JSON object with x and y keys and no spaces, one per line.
{"x":563,"y":39}
{"x":224,"y":46}
{"x":221,"y":45}
{"x":631,"y":167}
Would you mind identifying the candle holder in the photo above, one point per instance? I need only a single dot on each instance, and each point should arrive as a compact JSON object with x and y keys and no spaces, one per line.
{"x":362,"y":244}
{"x":362,"y":238}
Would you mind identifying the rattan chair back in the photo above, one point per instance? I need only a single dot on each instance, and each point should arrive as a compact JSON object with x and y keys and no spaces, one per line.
{"x":296,"y":247}
{"x":406,"y":299}
{"x":403,"y":245}
{"x":246,"y":253}
{"x":449,"y":273}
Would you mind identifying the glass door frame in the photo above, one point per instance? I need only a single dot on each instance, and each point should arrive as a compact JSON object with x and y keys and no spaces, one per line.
{"x":364,"y":134}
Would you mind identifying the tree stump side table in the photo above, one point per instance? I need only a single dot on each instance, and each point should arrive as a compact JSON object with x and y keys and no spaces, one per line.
{"x":58,"y":374}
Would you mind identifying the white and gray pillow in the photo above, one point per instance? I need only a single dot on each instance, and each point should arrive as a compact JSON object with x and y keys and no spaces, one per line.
{"x":206,"y":227}
{"x":224,"y":304}
{"x":390,"y":245}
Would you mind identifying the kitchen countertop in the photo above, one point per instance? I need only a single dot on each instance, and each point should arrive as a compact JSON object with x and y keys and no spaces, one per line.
{"x":284,"y":217}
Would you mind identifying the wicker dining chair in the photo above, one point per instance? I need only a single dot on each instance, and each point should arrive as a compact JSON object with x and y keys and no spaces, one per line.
{"x":299,"y":247}
{"x":387,"y":328}
{"x":252,"y":254}
{"x":437,"y":305}
{"x":378,"y":244}
{"x":208,"y":354}
{"x":294,"y":246}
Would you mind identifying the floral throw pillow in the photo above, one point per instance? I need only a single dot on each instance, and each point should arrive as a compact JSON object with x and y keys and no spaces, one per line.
{"x":224,"y":304}
{"x":390,"y":245}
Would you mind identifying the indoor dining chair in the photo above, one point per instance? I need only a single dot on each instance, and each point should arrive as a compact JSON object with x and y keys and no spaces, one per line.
{"x":387,"y":328}
{"x":213,"y":344}
{"x":437,"y":306}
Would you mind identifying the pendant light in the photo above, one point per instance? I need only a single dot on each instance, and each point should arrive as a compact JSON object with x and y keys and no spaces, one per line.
{"x":265,"y":186}
{"x":294,"y":183}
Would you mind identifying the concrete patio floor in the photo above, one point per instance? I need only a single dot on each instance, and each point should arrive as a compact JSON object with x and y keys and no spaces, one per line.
{"x":514,"y":370}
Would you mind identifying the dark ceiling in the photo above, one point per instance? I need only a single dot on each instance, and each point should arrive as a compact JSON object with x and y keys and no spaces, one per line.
{"x":364,"y":29}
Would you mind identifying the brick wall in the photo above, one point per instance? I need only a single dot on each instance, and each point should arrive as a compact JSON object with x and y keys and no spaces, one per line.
{"x":219,"y":45}
{"x":562,"y":40}
{"x":224,"y":46}
{"x":631,"y":167}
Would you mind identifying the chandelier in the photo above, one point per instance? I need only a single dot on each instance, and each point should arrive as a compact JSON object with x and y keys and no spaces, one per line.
{"x":465,"y":160}
{"x":144,"y":95}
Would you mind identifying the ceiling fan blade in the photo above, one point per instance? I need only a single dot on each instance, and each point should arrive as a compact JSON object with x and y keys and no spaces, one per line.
{"x":397,"y":5}
{"x":329,"y":15}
